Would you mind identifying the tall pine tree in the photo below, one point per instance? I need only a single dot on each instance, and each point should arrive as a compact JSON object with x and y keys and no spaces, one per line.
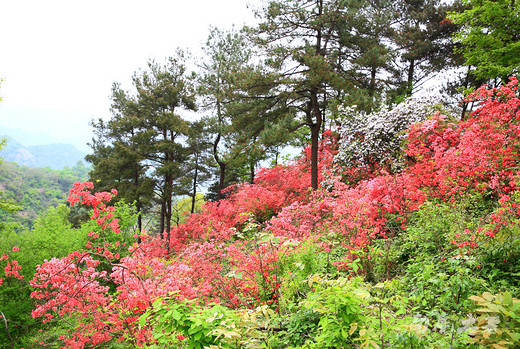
{"x":143,"y":148}
{"x":301,"y":41}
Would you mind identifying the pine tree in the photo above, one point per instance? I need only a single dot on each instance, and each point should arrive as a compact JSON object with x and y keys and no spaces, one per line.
{"x":118,"y":163}
{"x":143,"y":149}
{"x":199,"y":165}
{"x":366,"y":50}
{"x":227,"y":54}
{"x":423,"y":39}
{"x":301,"y":41}
{"x":162,"y":91}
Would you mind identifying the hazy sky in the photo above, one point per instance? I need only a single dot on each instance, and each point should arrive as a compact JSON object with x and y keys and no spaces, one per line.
{"x":59,"y":58}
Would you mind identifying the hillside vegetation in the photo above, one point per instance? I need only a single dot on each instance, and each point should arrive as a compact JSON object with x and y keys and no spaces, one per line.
{"x":34,"y":190}
{"x":397,"y":226}
{"x":419,"y":250}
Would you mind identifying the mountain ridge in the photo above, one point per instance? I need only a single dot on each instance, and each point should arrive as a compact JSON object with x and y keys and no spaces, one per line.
{"x":53,"y":155}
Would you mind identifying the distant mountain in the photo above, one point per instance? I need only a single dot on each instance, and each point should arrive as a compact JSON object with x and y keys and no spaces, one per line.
{"x":27,"y":138}
{"x":56,"y":155}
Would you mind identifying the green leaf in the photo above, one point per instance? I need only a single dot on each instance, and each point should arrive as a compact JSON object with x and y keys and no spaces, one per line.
{"x":142,"y":320}
{"x":488,"y":296}
{"x":192,"y":330}
{"x":266,"y":238}
{"x":508,"y":299}
{"x":176,"y":315}
{"x":477,"y":299}
{"x":354,"y":267}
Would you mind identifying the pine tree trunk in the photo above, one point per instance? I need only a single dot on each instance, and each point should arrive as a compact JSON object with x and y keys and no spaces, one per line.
{"x":161,"y":223}
{"x":315,"y":112}
{"x":222,"y":166}
{"x":315,"y":127}
{"x":139,"y":221}
{"x":315,"y":132}
{"x":169,"y":204}
{"x":252,"y":172}
{"x":372,"y":88}
{"x":138,"y":206}
{"x":194,"y":191}
{"x":409,"y":82}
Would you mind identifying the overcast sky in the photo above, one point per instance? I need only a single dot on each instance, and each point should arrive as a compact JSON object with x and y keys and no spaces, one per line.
{"x":59,"y":58}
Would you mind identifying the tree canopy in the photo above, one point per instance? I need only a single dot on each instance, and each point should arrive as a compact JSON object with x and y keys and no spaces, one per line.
{"x":490,"y":38}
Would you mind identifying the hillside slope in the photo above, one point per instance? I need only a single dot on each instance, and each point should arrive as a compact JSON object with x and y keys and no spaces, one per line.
{"x":36,"y":189}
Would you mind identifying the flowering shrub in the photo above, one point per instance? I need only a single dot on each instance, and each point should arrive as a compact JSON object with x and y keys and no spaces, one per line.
{"x":101,"y":293}
{"x":12,"y":267}
{"x":372,"y":141}
{"x":480,"y":153}
{"x":274,"y":189}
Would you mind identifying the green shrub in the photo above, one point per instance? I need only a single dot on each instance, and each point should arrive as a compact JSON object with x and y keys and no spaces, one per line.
{"x":498,"y":322}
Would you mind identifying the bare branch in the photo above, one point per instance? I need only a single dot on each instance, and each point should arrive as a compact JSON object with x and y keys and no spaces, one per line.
{"x":7,"y":330}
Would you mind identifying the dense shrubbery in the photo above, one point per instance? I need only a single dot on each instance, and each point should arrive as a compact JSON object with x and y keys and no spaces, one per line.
{"x":422,"y":257}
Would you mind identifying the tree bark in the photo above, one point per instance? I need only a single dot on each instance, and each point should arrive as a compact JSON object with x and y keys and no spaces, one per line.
{"x":168,"y":217}
{"x":315,"y":126}
{"x":372,"y":88}
{"x":314,"y":155}
{"x":252,"y":172}
{"x":138,"y":205}
{"x":409,"y":82}
{"x":139,"y":221}
{"x":315,"y":111}
{"x":194,"y":191}
{"x":221,"y":165}
{"x":162,"y":218}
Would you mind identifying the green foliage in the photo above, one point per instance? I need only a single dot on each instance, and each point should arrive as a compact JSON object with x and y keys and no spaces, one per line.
{"x":500,"y":257}
{"x":175,"y":320}
{"x":296,"y":268}
{"x":6,"y":205}
{"x":300,"y":327}
{"x":489,"y":37}
{"x":173,"y":317}
{"x":423,"y":40}
{"x":350,"y":313}
{"x":444,"y":285}
{"x":340,"y":312}
{"x":501,"y":266}
{"x":182,"y":208}
{"x":430,"y":230}
{"x":498,"y":324}
{"x":51,"y":236}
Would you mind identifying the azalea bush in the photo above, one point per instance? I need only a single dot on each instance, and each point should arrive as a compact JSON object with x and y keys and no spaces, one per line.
{"x":373,"y":142}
